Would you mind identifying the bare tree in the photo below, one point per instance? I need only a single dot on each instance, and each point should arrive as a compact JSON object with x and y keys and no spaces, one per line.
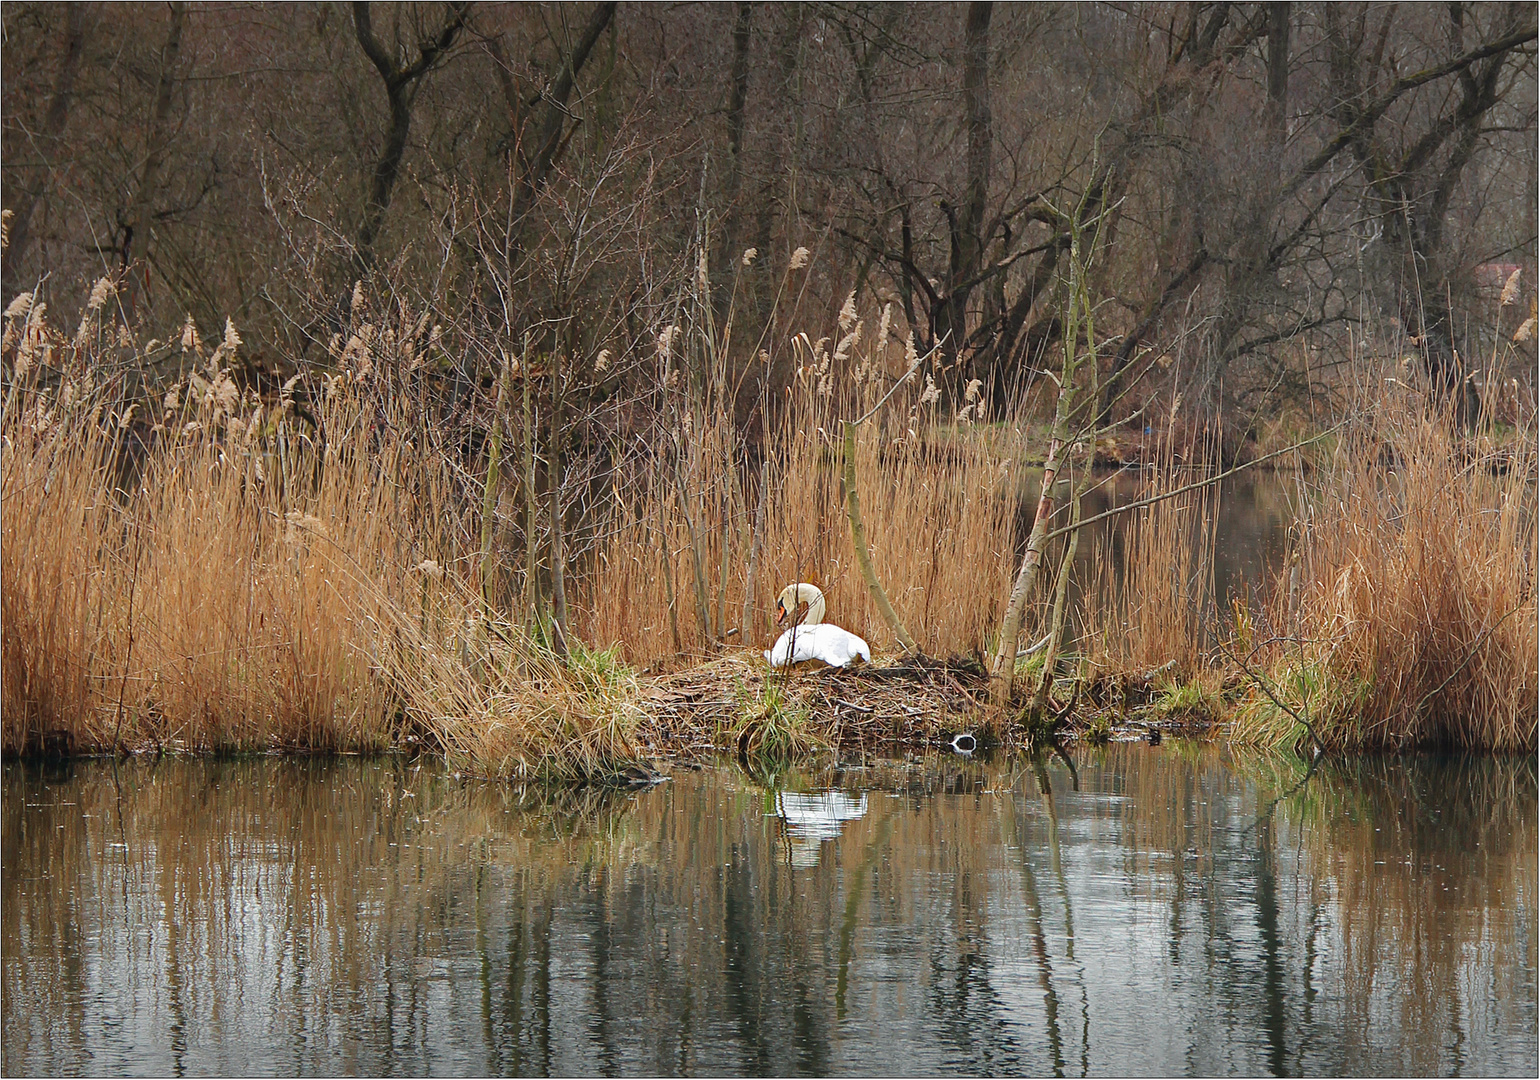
{"x":46,"y":142}
{"x":402,"y":83}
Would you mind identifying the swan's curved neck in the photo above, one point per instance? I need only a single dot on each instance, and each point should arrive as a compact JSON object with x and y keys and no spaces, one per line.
{"x":812,"y":596}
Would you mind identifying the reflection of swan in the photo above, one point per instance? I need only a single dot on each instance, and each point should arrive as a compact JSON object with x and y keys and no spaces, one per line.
{"x":812,"y":819}
{"x":814,"y":639}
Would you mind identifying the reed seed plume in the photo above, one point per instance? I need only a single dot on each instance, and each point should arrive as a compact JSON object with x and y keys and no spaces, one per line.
{"x":1510,"y":291}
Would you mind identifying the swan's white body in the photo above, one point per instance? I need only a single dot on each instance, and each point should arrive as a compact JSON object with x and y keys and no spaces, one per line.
{"x":821,"y":641}
{"x":814,"y":639}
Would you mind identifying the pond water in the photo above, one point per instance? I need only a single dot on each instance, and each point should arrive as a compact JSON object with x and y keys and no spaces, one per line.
{"x":1125,"y":910}
{"x":1251,"y":516}
{"x":1252,"y":513}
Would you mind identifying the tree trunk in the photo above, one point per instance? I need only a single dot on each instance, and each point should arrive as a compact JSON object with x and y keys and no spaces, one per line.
{"x":1003,"y":670}
{"x":1278,"y":69}
{"x":401,"y":86}
{"x":966,"y":223}
{"x":50,"y":138}
{"x":728,"y":246}
{"x":1061,"y":592}
{"x":137,"y":225}
{"x":535,"y":167}
{"x":1411,"y":189}
{"x":772,"y":193}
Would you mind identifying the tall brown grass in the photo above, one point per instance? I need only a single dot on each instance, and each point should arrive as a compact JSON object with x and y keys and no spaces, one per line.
{"x":201,"y":569}
{"x":938,"y":498}
{"x":201,"y":591}
{"x":1150,"y":609}
{"x":228,"y":577}
{"x":1408,"y":616}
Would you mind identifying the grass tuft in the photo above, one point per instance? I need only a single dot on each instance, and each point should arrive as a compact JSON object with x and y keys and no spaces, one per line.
{"x":775,"y":729}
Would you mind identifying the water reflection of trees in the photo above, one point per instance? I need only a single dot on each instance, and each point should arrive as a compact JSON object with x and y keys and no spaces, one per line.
{"x":978,"y":916}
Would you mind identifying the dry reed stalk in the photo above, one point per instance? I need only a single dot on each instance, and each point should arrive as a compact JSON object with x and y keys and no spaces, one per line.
{"x":51,"y":581}
{"x":1152,"y":610}
{"x":748,"y":625}
{"x":860,"y":546}
{"x":265,"y":585}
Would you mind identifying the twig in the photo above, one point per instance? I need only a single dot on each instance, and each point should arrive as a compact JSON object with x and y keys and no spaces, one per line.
{"x":128,"y":658}
{"x":1266,"y":689}
{"x":960,"y":689}
{"x":1036,"y":646}
{"x":900,"y":381}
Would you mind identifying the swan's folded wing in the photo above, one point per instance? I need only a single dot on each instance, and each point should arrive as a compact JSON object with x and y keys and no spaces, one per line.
{"x":831,"y":644}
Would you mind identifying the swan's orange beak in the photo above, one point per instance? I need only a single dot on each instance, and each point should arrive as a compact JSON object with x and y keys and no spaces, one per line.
{"x":780,"y":613}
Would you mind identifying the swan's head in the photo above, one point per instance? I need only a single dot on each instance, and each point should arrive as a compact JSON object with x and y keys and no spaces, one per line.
{"x":801,"y":593}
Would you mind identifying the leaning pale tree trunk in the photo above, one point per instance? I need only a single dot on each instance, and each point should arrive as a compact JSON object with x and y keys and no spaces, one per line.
{"x":1003,"y":669}
{"x":1077,"y":325}
{"x":402,"y":83}
{"x":1060,"y":596}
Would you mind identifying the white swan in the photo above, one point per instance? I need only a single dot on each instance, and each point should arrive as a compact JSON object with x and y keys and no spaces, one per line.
{"x":814,"y":639}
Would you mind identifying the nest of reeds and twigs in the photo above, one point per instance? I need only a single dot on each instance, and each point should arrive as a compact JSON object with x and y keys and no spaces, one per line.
{"x":736,"y":704}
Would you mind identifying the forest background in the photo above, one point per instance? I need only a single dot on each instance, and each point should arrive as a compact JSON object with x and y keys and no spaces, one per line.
{"x":1281,"y":188}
